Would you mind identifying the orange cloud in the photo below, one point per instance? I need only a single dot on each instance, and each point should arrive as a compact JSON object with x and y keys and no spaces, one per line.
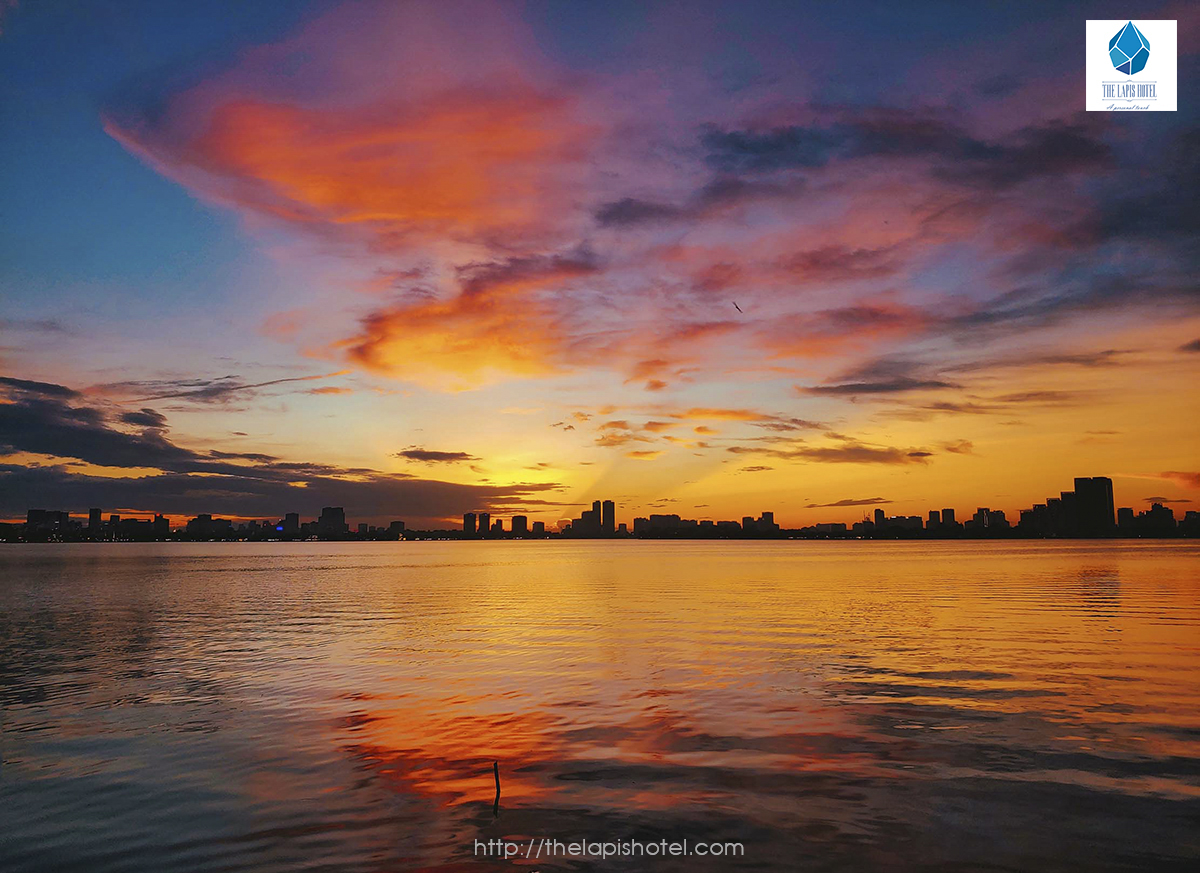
{"x":647,"y":455}
{"x":461,"y":343}
{"x":465,"y":165}
{"x":1185,"y":480}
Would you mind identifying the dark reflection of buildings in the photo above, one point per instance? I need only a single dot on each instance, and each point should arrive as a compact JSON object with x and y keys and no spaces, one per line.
{"x":1100,"y":587}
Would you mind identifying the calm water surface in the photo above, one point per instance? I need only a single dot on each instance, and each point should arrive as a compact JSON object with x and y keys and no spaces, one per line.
{"x":832,"y":706}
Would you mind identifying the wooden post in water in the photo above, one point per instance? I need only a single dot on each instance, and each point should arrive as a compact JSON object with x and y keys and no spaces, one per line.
{"x":496,"y":773}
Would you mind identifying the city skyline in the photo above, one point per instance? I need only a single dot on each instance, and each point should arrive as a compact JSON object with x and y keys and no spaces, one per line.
{"x":1088,"y":511}
{"x":589,"y":253}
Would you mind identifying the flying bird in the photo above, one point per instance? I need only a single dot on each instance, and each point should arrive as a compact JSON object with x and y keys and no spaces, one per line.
{"x":738,"y":308}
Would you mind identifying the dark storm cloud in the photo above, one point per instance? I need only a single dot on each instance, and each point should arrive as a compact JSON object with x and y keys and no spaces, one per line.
{"x":378,"y":495}
{"x":259,"y":457}
{"x":859,"y":133}
{"x":262,"y":485}
{"x":145,"y":418}
{"x":47,"y":426}
{"x":629,"y":211}
{"x":27,"y":386}
{"x":722,"y":192}
{"x":430,"y":456}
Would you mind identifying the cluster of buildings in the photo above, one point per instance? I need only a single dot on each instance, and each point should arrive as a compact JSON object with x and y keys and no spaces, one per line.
{"x":673,"y":527}
{"x":481,"y":525}
{"x":600,"y":522}
{"x":47,"y":524}
{"x":1085,"y":512}
{"x":42,"y":525}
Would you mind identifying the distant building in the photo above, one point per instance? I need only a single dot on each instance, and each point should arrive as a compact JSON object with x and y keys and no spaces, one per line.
{"x":1125,"y":519}
{"x":204,"y":527}
{"x":608,"y":517}
{"x":588,"y":523}
{"x":468,"y":524}
{"x":520,"y":525}
{"x":1094,"y":506}
{"x":484,"y":524}
{"x":539,"y":528}
{"x":332,"y":523}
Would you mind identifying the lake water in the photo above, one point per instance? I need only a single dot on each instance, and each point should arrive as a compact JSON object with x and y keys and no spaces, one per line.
{"x":1028,"y":706}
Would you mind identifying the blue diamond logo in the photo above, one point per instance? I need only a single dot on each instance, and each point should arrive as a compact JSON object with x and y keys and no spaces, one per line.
{"x":1129,"y":50}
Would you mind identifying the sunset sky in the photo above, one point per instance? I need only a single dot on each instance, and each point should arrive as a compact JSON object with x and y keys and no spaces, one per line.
{"x":419,"y":259}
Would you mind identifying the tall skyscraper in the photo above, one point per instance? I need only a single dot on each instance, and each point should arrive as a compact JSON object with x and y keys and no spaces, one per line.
{"x":1094,"y":506}
{"x":608,"y":517}
{"x":589,"y":522}
{"x":948,"y":517}
{"x":520,"y":525}
{"x":880,"y":518}
{"x":484,"y":524}
{"x":468,"y":524}
{"x":94,"y":521}
{"x":332,"y":521}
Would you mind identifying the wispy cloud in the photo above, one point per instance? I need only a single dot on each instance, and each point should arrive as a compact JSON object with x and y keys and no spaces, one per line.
{"x":849,"y":501}
{"x":432,"y":456}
